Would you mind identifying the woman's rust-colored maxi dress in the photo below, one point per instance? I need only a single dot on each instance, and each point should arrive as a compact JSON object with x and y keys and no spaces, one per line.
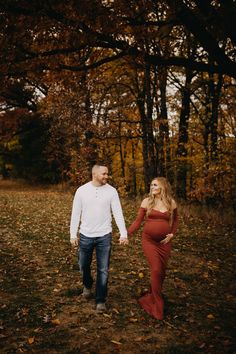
{"x":156,"y":227}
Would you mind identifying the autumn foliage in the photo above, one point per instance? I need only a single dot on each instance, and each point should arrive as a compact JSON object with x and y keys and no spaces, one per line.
{"x":42,"y":310}
{"x":148,"y":87}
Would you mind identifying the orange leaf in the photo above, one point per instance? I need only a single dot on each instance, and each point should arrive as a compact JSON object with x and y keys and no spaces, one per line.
{"x":31,"y":340}
{"x":56,"y":321}
{"x":210,"y":316}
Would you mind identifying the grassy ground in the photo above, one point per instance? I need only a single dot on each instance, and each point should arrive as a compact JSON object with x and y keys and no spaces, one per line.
{"x":42,"y":310}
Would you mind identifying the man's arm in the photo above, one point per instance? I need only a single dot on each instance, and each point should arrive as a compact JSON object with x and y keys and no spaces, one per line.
{"x":75,"y":218}
{"x":119,"y":218}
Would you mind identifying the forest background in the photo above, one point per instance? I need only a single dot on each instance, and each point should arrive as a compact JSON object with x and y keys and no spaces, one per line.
{"x":147,"y":86}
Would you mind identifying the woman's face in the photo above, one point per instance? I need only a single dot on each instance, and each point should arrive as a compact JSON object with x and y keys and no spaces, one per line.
{"x":155,"y":187}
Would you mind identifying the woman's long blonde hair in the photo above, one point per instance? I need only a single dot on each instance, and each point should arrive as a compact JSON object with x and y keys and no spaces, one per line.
{"x":165,"y":195}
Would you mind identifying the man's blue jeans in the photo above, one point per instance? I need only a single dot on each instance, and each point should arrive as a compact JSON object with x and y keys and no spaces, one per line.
{"x":103,"y":250}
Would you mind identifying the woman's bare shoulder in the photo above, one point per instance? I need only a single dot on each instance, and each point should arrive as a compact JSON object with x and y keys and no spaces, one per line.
{"x":173,"y":204}
{"x":144,"y":203}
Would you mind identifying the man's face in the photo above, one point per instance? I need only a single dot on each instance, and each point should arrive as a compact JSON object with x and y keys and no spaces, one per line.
{"x":101,"y":175}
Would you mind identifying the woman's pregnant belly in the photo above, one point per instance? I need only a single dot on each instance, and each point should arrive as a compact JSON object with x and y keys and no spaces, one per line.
{"x":156,"y":229}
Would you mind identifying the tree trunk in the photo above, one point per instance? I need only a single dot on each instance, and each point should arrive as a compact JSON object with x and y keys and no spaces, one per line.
{"x":149,"y":118}
{"x":134,"y":176}
{"x":145,"y":106}
{"x":163,"y":145}
{"x":215,"y":91}
{"x":122,"y":159}
{"x":183,"y":137}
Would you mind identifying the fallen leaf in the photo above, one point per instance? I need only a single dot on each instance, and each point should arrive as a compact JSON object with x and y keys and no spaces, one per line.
{"x":202,"y":345}
{"x":56,"y":321}
{"x":210,"y":316}
{"x":84,"y":329}
{"x":38,"y":330}
{"x":133,"y":319}
{"x":106,"y":315}
{"x":115,"y":342}
{"x":56,"y":290}
{"x":116,"y":311}
{"x":46,"y":319}
{"x":31,"y":340}
{"x":139,"y":339}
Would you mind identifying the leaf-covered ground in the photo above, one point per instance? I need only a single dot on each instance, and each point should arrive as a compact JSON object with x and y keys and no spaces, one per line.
{"x":42,"y":310}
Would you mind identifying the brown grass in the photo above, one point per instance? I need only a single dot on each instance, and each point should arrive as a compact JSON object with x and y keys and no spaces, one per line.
{"x":42,"y":310}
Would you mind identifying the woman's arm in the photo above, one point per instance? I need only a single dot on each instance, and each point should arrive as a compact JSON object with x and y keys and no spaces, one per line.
{"x":175,"y":222}
{"x":138,"y":221}
{"x":174,"y":226}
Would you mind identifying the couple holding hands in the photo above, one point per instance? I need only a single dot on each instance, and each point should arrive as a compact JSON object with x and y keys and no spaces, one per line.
{"x":93,"y":206}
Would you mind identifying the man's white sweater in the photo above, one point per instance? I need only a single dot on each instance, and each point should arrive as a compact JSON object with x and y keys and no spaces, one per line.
{"x":92,"y":210}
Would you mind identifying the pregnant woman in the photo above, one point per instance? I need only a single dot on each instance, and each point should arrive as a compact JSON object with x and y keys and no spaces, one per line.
{"x":159,"y":211}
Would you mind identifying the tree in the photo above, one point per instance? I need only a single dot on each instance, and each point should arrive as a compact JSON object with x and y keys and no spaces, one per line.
{"x":37,"y":31}
{"x":101,"y":73}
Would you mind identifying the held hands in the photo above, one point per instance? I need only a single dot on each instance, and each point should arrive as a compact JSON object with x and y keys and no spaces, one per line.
{"x":124,"y":241}
{"x":167,"y":238}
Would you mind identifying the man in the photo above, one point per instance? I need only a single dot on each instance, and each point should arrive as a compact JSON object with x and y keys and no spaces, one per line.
{"x":92,"y":207}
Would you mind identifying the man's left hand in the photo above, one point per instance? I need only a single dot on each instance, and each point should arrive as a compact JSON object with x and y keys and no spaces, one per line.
{"x":124,"y":241}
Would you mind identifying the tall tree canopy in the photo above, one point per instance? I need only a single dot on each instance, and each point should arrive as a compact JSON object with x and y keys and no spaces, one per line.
{"x":36,"y":31}
{"x":104,"y":74}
